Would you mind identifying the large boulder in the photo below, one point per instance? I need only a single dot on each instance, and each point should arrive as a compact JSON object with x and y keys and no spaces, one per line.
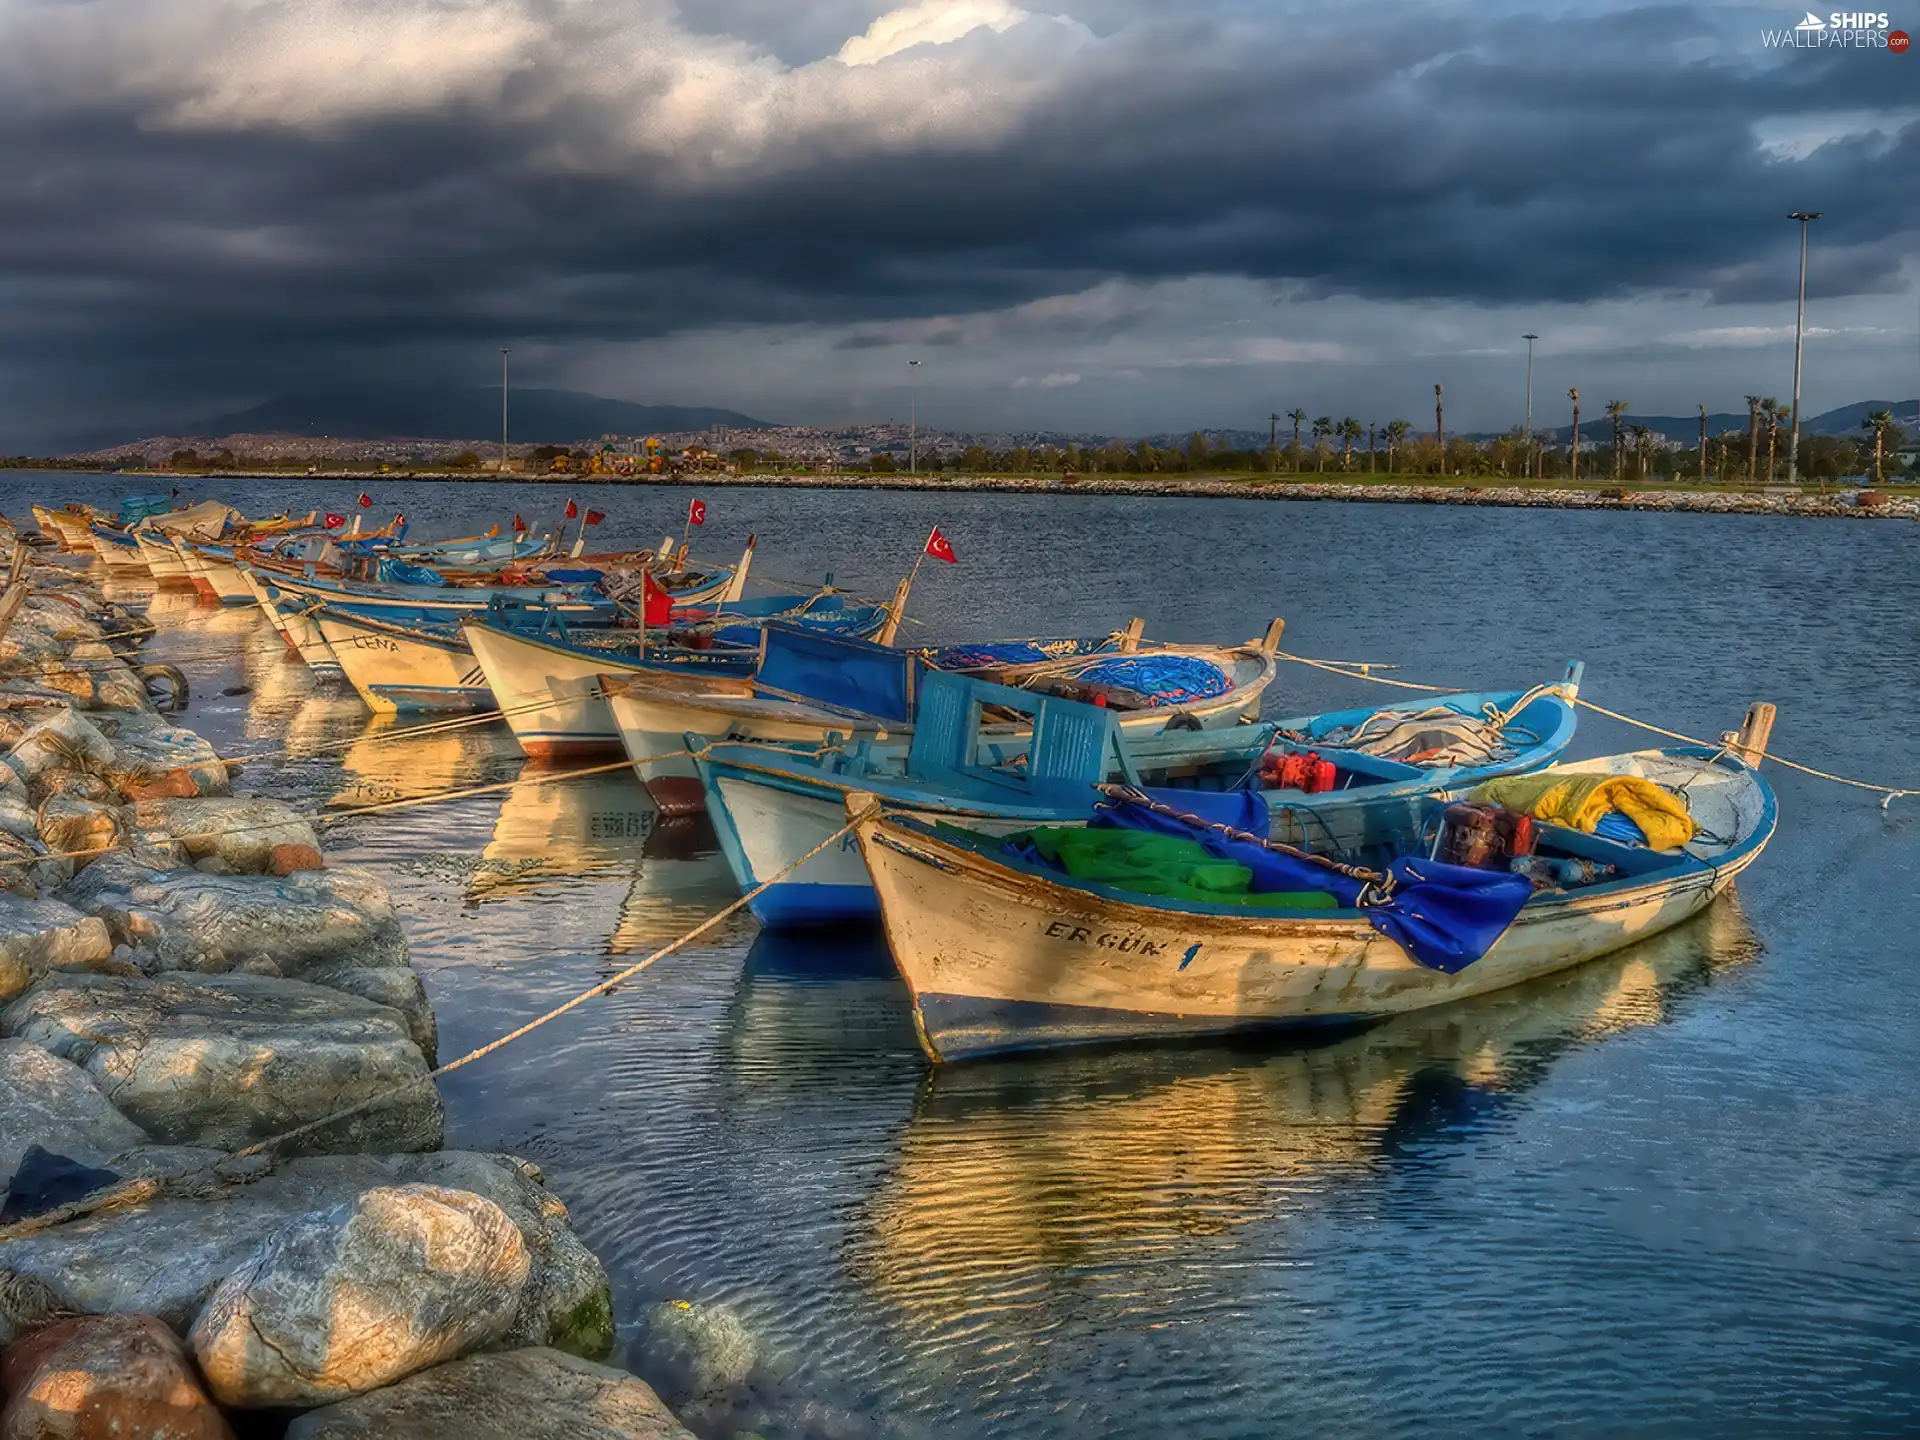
{"x":226,"y":1060}
{"x":537,"y":1394}
{"x":64,"y":740}
{"x":265,"y":924}
{"x":51,"y":1102}
{"x":243,"y":833}
{"x":147,"y":748}
{"x":95,"y":679}
{"x":80,"y":828}
{"x":165,"y":1257}
{"x":39,"y":936}
{"x":345,"y":1300}
{"x":105,"y":1377}
{"x":398,"y":987}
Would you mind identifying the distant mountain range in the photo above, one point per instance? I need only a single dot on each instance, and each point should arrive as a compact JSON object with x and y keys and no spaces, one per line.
{"x":544,"y":417}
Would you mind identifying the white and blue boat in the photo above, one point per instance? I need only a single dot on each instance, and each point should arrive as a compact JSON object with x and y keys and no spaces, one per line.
{"x":771,"y":804}
{"x":1004,"y":951}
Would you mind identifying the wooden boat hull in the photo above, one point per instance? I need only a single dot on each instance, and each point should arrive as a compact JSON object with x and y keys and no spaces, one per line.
{"x":549,"y":696}
{"x":119,"y":550}
{"x":401,"y":672}
{"x":302,"y":634}
{"x":73,"y":530}
{"x":1001,"y":960}
{"x":163,"y":561}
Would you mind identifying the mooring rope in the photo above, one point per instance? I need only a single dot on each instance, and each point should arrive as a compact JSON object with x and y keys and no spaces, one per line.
{"x":1889,"y":793}
{"x":134,"y":1192}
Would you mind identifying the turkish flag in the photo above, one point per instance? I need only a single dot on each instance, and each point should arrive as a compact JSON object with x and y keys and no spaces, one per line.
{"x":519,"y":526}
{"x":573,"y":510}
{"x":334,"y":522}
{"x":366,"y":500}
{"x":697,"y":512}
{"x":941,"y":548}
{"x":594,"y":517}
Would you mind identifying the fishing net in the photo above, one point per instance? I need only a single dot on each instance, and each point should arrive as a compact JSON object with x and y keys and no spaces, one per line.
{"x":1159,"y":679}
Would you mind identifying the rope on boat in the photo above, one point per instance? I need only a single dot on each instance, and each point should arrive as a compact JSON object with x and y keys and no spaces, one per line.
{"x":1888,"y":793}
{"x":136,"y":1192}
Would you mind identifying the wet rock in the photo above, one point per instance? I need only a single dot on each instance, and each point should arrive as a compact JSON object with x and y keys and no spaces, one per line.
{"x":226,"y":1060}
{"x":147,"y":746}
{"x":157,"y":785}
{"x":76,"y":784}
{"x":286,"y":860}
{"x":94,"y":678}
{"x":63,"y":740}
{"x":398,"y":988}
{"x":345,"y":1300}
{"x":39,"y":936}
{"x":212,"y":865}
{"x":537,"y":1394}
{"x":707,"y":1349}
{"x":79,"y":828}
{"x":17,"y":817}
{"x":166,"y":1256}
{"x":336,"y":918}
{"x":244,"y":833}
{"x":105,"y":1377}
{"x":51,"y":1102}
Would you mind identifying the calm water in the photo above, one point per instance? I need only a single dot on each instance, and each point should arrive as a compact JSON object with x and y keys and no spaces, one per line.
{"x":1671,"y":1192}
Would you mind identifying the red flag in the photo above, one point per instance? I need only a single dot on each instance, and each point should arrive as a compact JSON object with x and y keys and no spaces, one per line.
{"x":366,"y":500}
{"x":656,"y":605}
{"x":941,"y":548}
{"x":519,"y":526}
{"x":697,"y":512}
{"x":334,"y":522}
{"x":573,"y":510}
{"x":593,"y":517}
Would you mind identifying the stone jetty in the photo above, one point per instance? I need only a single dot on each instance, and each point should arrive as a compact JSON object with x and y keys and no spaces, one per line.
{"x":183,"y":976}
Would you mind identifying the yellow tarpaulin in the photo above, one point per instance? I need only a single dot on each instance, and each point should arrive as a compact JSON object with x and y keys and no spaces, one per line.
{"x":1580,"y":802}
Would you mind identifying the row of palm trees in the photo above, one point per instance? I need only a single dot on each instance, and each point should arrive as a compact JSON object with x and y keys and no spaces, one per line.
{"x":1762,"y":412}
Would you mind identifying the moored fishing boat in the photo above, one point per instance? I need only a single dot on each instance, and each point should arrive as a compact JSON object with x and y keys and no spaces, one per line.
{"x":405,"y":669}
{"x":548,"y":684}
{"x":1004,"y":950}
{"x":773,"y":805}
{"x":807,"y":688}
{"x":72,"y":526}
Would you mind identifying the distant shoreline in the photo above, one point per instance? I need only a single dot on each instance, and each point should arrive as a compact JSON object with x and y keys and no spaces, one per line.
{"x":1898,"y":503}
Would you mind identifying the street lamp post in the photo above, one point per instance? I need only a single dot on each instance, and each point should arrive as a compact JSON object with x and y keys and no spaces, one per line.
{"x":504,"y":352}
{"x":1529,"y":450}
{"x":913,"y":416}
{"x":1799,"y":337}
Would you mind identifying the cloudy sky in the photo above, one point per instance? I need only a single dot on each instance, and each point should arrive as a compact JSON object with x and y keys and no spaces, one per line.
{"x":1124,"y":216}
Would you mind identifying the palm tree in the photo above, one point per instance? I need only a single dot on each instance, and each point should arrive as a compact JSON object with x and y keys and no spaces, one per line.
{"x":1396,"y":433}
{"x":1753,"y":438}
{"x":1299,"y":418}
{"x":1770,"y":408}
{"x":1349,"y":432}
{"x":1703,"y":444}
{"x":1573,"y":456}
{"x":1615,"y":409}
{"x":1322,"y":428}
{"x":1880,"y":422}
{"x":1440,"y":426}
{"x":1642,"y":452}
{"x":1371,"y":430}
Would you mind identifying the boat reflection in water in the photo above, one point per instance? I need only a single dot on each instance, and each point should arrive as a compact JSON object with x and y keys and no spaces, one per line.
{"x":682,"y":879}
{"x":553,"y":829}
{"x":815,"y":1014}
{"x":1015,"y":1176}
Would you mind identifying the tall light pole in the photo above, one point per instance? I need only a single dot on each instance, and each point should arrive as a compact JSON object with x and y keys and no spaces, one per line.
{"x":1528,"y":456}
{"x":504,"y":352}
{"x":1799,"y":337}
{"x":913,"y":416}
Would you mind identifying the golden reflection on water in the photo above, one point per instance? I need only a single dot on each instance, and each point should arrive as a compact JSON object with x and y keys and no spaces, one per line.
{"x":552,"y":829}
{"x":1014,"y":1172}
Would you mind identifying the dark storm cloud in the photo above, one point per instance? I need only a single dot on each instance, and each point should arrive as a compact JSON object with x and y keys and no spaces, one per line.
{"x":166,"y":240}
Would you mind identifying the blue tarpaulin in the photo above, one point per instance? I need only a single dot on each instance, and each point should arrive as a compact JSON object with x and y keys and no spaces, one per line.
{"x":836,"y":670}
{"x":398,"y":572}
{"x":1444,"y":916}
{"x":1162,"y":679}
